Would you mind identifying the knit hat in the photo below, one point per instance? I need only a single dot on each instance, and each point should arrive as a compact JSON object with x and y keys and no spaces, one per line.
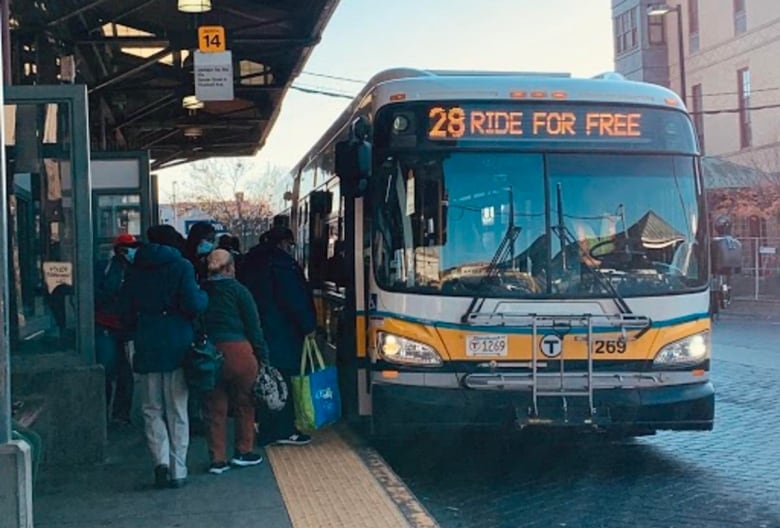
{"x":125,"y":239}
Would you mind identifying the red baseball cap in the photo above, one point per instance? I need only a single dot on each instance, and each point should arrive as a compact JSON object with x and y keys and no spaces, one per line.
{"x":125,"y":239}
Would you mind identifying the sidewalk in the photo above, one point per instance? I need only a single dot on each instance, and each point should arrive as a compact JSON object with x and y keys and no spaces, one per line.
{"x":331,"y":483}
{"x":120,"y":494}
{"x":761,"y":309}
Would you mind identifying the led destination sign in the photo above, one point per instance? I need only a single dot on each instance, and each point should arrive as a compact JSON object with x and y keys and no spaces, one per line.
{"x":511,"y":122}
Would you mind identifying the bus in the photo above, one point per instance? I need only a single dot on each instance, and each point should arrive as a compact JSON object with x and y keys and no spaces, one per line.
{"x":511,"y":249}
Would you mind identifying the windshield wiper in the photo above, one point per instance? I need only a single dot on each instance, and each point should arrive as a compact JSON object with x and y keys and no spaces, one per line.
{"x":566,"y":238}
{"x":507,"y":243}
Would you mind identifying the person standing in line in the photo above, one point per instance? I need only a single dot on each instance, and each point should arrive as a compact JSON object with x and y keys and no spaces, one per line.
{"x":284,"y":300}
{"x":201,"y":240}
{"x":233,"y":325}
{"x":231,"y":244}
{"x":160,"y":300}
{"x":110,"y":334}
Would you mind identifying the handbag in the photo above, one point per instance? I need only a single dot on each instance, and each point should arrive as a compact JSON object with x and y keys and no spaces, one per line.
{"x":316,"y":393}
{"x":203,"y":362}
{"x":270,"y":389}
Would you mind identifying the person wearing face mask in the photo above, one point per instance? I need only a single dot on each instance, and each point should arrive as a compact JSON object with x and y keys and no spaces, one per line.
{"x":110,"y":335}
{"x":286,"y":308}
{"x":201,"y":241}
{"x":159,"y":303}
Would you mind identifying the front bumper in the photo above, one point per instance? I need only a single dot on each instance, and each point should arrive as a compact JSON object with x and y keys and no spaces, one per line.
{"x":675,"y":407}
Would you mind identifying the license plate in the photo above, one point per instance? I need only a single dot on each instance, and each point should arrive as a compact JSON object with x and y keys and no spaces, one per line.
{"x":486,"y":345}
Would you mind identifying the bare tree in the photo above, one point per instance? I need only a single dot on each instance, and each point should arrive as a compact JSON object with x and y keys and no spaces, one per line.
{"x":233,"y":193}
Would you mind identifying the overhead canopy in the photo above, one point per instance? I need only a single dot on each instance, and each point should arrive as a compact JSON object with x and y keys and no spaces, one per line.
{"x":136,"y":58}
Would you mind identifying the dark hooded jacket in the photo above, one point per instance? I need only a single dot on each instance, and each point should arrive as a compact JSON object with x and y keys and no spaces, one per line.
{"x":160,"y":300}
{"x":109,"y":276}
{"x":283,"y":299}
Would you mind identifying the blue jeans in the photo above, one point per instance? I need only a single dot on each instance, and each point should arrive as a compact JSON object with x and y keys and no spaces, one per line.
{"x":110,"y":352}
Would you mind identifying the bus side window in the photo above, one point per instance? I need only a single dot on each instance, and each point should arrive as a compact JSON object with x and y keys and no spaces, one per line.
{"x":321,"y":205}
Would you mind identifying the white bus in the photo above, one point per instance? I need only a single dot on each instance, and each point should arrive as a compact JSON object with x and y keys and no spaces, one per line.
{"x":520,"y":249}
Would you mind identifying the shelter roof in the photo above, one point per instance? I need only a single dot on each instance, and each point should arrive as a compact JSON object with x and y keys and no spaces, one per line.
{"x":136,"y":58}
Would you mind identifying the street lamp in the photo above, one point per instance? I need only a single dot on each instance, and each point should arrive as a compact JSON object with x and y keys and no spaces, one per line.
{"x":664,"y":9}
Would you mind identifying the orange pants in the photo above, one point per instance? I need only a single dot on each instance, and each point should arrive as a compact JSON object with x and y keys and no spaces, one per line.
{"x":238,"y":376}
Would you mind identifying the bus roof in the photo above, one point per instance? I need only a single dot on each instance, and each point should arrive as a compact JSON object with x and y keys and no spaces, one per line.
{"x":442,"y":85}
{"x":410,"y":84}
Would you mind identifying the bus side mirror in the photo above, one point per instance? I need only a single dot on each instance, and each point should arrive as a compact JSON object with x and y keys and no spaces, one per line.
{"x":353,"y":165}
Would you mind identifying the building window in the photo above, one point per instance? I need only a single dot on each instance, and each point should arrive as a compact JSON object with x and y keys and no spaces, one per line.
{"x":656,"y":31}
{"x":625,"y":32}
{"x":693,"y":26}
{"x":740,"y":17}
{"x":745,"y":132}
{"x":698,"y":114}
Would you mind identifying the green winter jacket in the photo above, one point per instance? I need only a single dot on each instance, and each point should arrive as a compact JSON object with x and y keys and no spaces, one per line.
{"x":232,"y":315}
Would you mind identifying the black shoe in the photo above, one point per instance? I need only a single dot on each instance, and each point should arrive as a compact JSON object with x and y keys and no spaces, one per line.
{"x":177,"y":483}
{"x":297,"y":439}
{"x":217,"y":468}
{"x":246,"y":459}
{"x":161,"y":476}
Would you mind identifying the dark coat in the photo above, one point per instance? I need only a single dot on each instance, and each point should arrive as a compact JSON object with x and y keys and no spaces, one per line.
{"x":109,"y":277}
{"x":160,"y":299}
{"x":284,"y":301}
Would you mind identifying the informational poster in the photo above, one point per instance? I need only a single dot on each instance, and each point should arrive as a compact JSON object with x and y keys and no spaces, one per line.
{"x":214,"y":76}
{"x":56,"y":274}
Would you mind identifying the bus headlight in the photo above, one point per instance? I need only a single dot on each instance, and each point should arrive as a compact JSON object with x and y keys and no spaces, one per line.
{"x":688,"y":351}
{"x":397,"y":349}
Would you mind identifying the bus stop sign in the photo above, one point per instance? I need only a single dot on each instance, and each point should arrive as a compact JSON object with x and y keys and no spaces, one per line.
{"x":211,"y":39}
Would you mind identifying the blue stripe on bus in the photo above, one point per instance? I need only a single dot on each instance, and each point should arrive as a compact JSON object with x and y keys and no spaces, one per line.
{"x":510,"y":330}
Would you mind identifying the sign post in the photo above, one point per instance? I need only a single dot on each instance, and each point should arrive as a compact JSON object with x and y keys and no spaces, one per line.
{"x":5,"y":351}
{"x":213,"y":66}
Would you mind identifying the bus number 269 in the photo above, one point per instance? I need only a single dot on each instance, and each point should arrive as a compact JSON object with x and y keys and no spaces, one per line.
{"x":612,"y":346}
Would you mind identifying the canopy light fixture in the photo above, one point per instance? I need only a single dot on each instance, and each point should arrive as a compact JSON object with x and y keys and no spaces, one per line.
{"x":193,"y":132}
{"x":194,"y":6}
{"x":191,"y":102}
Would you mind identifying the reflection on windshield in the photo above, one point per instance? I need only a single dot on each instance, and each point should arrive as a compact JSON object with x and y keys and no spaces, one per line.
{"x":440,"y":220}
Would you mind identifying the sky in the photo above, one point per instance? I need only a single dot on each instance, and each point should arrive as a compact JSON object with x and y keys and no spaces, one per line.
{"x":365,"y":37}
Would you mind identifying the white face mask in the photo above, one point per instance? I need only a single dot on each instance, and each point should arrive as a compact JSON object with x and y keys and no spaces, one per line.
{"x":130,"y":255}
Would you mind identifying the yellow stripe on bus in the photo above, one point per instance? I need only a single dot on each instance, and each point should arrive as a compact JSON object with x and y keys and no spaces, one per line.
{"x":451,"y":342}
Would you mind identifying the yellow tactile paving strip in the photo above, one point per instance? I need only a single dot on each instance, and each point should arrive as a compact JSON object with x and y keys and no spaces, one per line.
{"x":327,"y":485}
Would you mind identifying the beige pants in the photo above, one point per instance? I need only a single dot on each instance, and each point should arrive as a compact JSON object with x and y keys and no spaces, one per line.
{"x":164,"y":407}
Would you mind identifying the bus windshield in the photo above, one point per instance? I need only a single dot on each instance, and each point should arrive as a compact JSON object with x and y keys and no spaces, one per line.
{"x":537,"y":225}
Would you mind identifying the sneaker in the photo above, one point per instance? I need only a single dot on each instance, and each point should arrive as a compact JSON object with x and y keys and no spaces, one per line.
{"x":217,"y":468}
{"x":177,"y":483}
{"x":297,"y":439}
{"x":246,"y":459}
{"x":161,"y":476}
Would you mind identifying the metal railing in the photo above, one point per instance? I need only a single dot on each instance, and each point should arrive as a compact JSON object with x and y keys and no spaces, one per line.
{"x":760,"y":274}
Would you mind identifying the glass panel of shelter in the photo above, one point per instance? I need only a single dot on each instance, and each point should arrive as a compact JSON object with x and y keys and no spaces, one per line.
{"x":43,"y":313}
